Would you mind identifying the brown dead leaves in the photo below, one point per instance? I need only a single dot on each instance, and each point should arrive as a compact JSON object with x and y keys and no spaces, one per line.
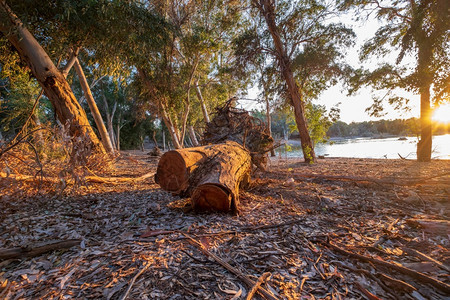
{"x":279,"y":231}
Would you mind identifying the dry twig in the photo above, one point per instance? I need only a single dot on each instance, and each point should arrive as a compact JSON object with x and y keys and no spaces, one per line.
{"x":232,"y":269}
{"x":258,"y":283}
{"x":142,"y":270}
{"x":36,"y":251}
{"x":417,"y":275}
{"x":426,"y":257}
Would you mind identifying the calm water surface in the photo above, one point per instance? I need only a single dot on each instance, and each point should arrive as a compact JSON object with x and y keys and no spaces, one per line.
{"x":374,"y":148}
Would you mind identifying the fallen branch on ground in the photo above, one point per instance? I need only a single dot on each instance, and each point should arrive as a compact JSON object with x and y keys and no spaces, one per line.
{"x":426,"y":257}
{"x":258,"y":283}
{"x":144,"y":268}
{"x":249,"y":282}
{"x":366,"y":293}
{"x":430,"y":225}
{"x":36,"y":251}
{"x":93,"y":179}
{"x":417,"y":275}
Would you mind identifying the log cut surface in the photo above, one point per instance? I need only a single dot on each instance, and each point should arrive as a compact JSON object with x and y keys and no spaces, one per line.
{"x":175,"y":166}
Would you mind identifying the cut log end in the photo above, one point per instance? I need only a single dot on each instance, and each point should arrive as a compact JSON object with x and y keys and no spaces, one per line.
{"x":172,"y":174}
{"x":211,"y":197}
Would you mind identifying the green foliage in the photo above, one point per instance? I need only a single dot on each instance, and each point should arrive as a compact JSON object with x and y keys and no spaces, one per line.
{"x":318,"y":122}
{"x":314,"y":43}
{"x":18,"y":91}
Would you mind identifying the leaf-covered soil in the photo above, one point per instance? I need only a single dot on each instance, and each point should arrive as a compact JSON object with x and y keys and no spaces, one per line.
{"x":293,"y":222}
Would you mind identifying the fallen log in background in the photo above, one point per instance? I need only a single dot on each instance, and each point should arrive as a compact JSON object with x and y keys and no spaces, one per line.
{"x":211,"y":174}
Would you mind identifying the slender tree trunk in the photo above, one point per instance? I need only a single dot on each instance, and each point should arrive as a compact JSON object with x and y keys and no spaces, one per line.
{"x":109,"y":120}
{"x":193,"y":137}
{"x":266,"y":7}
{"x":269,"y":122}
{"x":93,"y":107}
{"x":188,"y":102}
{"x":169,"y":124}
{"x":164,"y":140}
{"x":55,"y":86}
{"x":425,"y":55}
{"x":119,"y":119}
{"x":202,"y":103}
{"x":70,"y":62}
{"x":424,"y":146}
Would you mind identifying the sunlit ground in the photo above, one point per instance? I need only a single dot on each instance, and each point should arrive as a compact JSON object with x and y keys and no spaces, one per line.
{"x":442,"y":114}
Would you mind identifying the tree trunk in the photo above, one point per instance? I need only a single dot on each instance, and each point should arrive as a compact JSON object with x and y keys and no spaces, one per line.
{"x":202,"y":103}
{"x":172,"y":130}
{"x":266,"y":7}
{"x":269,"y":122}
{"x":187,"y":102}
{"x":119,"y":119}
{"x":109,"y":120}
{"x":106,"y":141}
{"x":56,"y":88}
{"x":424,"y":146}
{"x":211,"y":175}
{"x":164,"y":139}
{"x":193,"y":137}
{"x":424,"y":63}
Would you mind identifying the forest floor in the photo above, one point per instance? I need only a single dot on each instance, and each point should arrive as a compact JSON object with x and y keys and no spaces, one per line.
{"x":339,"y":229}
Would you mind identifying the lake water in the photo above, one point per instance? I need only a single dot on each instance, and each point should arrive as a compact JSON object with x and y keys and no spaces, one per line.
{"x":373,"y":148}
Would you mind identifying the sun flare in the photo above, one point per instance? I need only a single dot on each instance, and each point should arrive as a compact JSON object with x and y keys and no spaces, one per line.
{"x":442,"y":114}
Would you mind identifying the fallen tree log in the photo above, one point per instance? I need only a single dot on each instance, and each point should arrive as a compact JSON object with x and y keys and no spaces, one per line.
{"x":211,"y":174}
{"x":37,"y":250}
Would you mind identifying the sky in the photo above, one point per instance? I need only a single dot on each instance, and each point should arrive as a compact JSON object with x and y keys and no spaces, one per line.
{"x":353,"y":108}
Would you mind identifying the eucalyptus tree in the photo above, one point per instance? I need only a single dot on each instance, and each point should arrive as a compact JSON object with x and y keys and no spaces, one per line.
{"x":192,"y":62}
{"x":47,"y":74}
{"x":305,"y":49}
{"x":414,"y":29}
{"x":113,"y":35}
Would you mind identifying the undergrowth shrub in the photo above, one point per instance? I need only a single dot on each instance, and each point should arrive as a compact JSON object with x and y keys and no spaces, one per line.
{"x":54,"y":163}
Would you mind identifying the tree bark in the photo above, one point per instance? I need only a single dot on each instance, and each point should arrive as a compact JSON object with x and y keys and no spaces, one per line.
{"x":266,"y":7}
{"x":202,"y":103}
{"x":211,"y":175}
{"x":424,"y":146}
{"x":56,"y":88}
{"x":269,"y":121}
{"x":106,"y":141}
{"x":119,"y":119}
{"x":109,"y":120}
{"x":193,"y":137}
{"x":187,"y":102}
{"x":169,"y":124}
